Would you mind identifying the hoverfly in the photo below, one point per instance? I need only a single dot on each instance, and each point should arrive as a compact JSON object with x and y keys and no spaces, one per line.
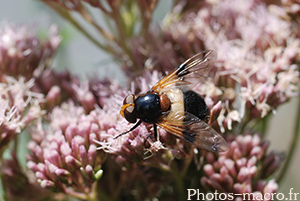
{"x":173,"y":106}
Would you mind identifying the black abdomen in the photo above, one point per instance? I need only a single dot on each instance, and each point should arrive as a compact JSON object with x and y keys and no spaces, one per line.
{"x":195,"y":104}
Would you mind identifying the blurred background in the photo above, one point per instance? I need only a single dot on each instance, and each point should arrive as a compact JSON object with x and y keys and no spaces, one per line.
{"x":81,"y":57}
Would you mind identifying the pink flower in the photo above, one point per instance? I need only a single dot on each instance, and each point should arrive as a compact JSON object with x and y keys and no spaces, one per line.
{"x":17,"y":184}
{"x":19,"y":106}
{"x":244,"y":169}
{"x":22,"y":52}
{"x":255,"y":70}
{"x":64,"y":155}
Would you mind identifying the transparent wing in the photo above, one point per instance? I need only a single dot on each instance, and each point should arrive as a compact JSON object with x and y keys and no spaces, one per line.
{"x":187,"y":73}
{"x":190,"y":128}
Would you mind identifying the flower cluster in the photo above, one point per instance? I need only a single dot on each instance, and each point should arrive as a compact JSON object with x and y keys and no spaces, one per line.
{"x":64,"y":155}
{"x":243,"y":169}
{"x":23,"y":56}
{"x":23,"y":53}
{"x":126,"y":19}
{"x":77,"y":148}
{"x":19,"y":106}
{"x":24,"y":189}
{"x":256,"y":67}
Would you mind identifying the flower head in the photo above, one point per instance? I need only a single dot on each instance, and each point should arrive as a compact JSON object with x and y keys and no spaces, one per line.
{"x":138,"y":144}
{"x":64,"y":156}
{"x":82,"y":136}
{"x":244,"y":169}
{"x":22,"y":52}
{"x":256,"y":66}
{"x":19,"y":106}
{"x":24,"y":189}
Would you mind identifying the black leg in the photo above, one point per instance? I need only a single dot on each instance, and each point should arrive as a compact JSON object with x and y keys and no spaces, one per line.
{"x":134,"y":127}
{"x":155,"y":130}
{"x":155,"y":134}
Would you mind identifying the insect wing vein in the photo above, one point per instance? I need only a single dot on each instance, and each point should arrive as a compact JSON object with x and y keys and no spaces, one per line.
{"x":192,"y":129}
{"x":186,"y":73}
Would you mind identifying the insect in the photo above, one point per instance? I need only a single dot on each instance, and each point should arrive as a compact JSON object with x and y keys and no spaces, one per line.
{"x":173,"y":106}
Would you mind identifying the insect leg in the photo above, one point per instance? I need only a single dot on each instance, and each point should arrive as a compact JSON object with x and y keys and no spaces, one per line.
{"x":155,"y":130}
{"x":155,"y":134}
{"x":134,"y":127}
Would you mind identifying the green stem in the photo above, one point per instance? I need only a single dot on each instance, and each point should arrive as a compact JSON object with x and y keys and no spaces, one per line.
{"x":93,"y":195}
{"x":3,"y":187}
{"x":179,"y":184}
{"x":104,"y":196}
{"x":187,"y":163}
{"x":78,"y":195}
{"x":146,"y":16}
{"x":89,"y":18}
{"x":174,"y":170}
{"x":264,"y":126}
{"x":121,"y":184}
{"x":293,"y":146}
{"x":67,"y":16}
{"x":122,"y":36}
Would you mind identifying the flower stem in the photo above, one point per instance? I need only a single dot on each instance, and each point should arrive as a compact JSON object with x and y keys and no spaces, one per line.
{"x":293,"y":146}
{"x":93,"y":195}
{"x":179,"y":184}
{"x":122,"y":36}
{"x":66,"y":15}
{"x":179,"y":175}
